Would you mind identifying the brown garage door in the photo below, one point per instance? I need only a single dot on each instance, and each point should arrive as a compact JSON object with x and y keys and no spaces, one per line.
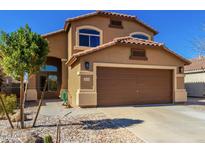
{"x":129,"y":86}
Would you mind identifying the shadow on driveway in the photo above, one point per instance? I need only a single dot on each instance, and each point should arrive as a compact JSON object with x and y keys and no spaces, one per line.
{"x":110,"y":123}
{"x":101,"y":124}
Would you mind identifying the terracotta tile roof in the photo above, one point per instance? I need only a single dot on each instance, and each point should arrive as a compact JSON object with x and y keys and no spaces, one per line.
{"x":124,"y":41}
{"x":196,"y":64}
{"x":105,"y":13}
{"x":131,"y":40}
{"x":101,"y":13}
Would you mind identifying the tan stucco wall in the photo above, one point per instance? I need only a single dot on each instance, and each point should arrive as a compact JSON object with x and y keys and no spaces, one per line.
{"x":180,"y":95}
{"x":31,"y":95}
{"x":32,"y":91}
{"x":32,"y":82}
{"x":69,"y":41}
{"x":108,"y":33}
{"x":180,"y":83}
{"x":74,"y":84}
{"x":57,"y":45}
{"x":64,"y":84}
{"x":120,"y":55}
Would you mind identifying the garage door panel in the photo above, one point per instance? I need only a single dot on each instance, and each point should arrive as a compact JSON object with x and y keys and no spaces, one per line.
{"x":120,"y":87}
{"x":126,"y":86}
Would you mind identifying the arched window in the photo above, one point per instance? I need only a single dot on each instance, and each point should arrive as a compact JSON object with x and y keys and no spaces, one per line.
{"x":48,"y":68}
{"x":140,"y":36}
{"x":89,"y":37}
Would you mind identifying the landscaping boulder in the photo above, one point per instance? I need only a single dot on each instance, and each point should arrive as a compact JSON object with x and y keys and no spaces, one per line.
{"x":16,"y":117}
{"x":2,"y":117}
{"x":31,"y":138}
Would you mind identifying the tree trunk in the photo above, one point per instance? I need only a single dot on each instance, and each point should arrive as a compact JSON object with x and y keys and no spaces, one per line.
{"x":40,"y":103}
{"x":21,"y":101}
{"x":7,"y":115}
{"x":24,"y":98}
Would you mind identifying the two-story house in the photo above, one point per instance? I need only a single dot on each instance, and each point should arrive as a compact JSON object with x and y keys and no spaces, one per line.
{"x":108,"y":59}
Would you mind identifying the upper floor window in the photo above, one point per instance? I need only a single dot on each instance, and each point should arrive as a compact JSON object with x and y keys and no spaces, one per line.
{"x":141,"y":36}
{"x":89,"y":37}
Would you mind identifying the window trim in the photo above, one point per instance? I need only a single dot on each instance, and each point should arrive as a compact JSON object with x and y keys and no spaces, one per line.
{"x":77,"y":45}
{"x":141,"y":33}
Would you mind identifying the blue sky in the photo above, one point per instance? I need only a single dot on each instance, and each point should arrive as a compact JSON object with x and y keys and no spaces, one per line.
{"x":177,"y":29}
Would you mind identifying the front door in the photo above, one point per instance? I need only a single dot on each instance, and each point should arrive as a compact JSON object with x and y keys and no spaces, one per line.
{"x":50,"y":73}
{"x":51,"y":91}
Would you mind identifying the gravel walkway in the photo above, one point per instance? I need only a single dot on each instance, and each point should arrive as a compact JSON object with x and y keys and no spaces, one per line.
{"x":82,"y":125}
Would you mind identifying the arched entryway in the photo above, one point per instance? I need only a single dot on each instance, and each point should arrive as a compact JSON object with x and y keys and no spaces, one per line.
{"x":52,"y":71}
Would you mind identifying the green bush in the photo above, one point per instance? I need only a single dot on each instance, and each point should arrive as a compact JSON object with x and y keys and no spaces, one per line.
{"x":48,"y":139}
{"x":10,"y":102}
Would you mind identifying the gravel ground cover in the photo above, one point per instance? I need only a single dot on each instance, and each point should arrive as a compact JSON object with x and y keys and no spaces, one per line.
{"x":86,"y":127}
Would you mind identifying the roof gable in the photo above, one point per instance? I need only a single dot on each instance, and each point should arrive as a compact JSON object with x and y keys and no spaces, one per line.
{"x":125,"y":41}
{"x":109,"y":14}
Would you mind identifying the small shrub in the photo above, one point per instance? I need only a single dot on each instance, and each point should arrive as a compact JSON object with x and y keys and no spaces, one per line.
{"x":10,"y":104}
{"x":48,"y":139}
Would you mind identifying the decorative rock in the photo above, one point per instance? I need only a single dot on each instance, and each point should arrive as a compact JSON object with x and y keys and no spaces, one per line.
{"x":5,"y":141}
{"x":16,"y":117}
{"x":2,"y":117}
{"x":31,"y":138}
{"x":78,"y":127}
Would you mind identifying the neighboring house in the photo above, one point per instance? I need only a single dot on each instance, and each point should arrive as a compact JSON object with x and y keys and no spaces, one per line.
{"x":195,"y":77}
{"x":106,"y":59}
{"x":10,"y":86}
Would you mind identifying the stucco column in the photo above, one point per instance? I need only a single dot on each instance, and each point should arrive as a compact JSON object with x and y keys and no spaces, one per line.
{"x":64,"y":84}
{"x":32,"y":89}
{"x":180,"y":92}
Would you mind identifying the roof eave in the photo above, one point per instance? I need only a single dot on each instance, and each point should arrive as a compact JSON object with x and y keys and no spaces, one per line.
{"x":68,"y":21}
{"x":72,"y":60}
{"x":187,"y":62}
{"x":53,"y":33}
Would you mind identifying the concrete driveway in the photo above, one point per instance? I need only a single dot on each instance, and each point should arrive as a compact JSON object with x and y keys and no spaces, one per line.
{"x":177,"y":123}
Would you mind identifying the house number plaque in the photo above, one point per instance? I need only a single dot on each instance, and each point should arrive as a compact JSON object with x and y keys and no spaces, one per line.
{"x":86,"y":79}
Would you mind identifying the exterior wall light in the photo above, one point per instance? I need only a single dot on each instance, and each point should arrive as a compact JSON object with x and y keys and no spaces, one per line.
{"x":181,"y":70}
{"x":87,"y":65}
